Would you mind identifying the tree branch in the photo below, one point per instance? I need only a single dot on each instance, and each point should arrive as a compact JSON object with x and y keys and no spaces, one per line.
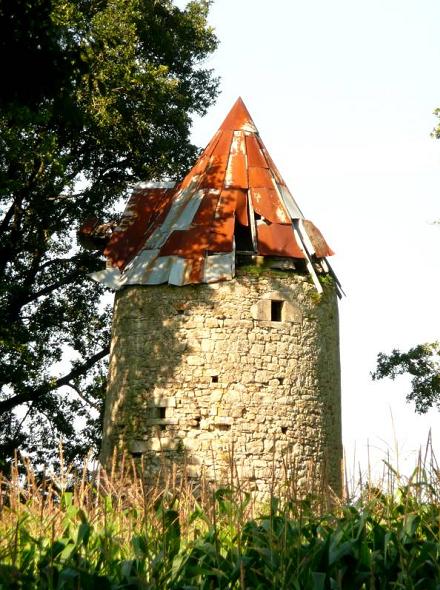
{"x":32,"y":395}
{"x":83,"y":397}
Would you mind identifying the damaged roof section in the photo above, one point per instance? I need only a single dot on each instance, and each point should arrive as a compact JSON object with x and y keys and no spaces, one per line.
{"x":233,"y":200}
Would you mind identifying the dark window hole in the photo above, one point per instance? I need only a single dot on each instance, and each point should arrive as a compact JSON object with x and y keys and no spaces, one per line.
{"x":276,"y":310}
{"x":281,"y":380}
{"x":197,"y":419}
{"x":162,"y":427}
{"x":136,"y":455}
{"x":284,"y":429}
{"x":180,"y":311}
{"x":214,"y":379}
{"x":243,"y":238}
{"x":223,"y":427}
{"x":162,"y":412}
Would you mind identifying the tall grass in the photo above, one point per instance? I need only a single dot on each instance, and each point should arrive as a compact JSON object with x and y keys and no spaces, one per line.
{"x":117,"y":530}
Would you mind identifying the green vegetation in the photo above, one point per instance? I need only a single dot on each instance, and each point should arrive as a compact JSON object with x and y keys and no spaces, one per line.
{"x":95,"y":95}
{"x":422,"y":364}
{"x":112,"y":532}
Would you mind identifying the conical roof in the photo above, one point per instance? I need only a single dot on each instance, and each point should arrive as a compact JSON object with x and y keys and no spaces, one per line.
{"x":233,"y":199}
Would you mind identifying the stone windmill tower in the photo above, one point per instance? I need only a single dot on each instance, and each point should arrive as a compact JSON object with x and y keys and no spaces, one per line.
{"x":225,"y":327}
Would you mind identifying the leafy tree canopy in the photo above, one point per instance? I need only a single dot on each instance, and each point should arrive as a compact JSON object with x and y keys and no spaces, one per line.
{"x":95,"y":94}
{"x":422,"y":363}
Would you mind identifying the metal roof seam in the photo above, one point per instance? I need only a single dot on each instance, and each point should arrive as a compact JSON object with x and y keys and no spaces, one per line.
{"x":186,"y":234}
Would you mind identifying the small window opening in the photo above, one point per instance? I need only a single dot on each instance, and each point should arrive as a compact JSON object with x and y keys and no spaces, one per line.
{"x":214,"y":379}
{"x":280,"y":380}
{"x":223,"y":427}
{"x":197,"y":419}
{"x":180,"y":311}
{"x":276,"y":311}
{"x":284,"y":429}
{"x":136,"y":454}
{"x":162,"y":412}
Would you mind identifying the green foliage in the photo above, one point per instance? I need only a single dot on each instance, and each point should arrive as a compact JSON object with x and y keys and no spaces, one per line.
{"x":379,"y":541}
{"x":94,"y":95}
{"x":422,"y":363}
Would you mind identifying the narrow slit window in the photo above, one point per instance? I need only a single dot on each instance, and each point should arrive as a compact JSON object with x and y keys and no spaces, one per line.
{"x":214,"y":379}
{"x":276,"y":311}
{"x":162,"y":413}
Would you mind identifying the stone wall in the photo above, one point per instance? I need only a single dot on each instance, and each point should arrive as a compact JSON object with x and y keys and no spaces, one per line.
{"x":245,"y":371}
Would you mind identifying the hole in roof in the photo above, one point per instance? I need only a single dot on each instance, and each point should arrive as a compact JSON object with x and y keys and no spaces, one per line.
{"x":243,"y":238}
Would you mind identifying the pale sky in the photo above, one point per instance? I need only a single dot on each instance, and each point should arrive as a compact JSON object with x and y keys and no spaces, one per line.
{"x":342,"y":93}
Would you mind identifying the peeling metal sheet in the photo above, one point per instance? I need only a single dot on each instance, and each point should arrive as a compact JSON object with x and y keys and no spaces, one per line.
{"x":179,"y":217}
{"x":239,"y":119}
{"x":185,"y":234}
{"x":277,"y":240}
{"x":194,"y":270}
{"x":219,"y":267}
{"x":215,"y":172}
{"x":238,"y":145}
{"x":197,"y":240}
{"x":227,"y":204}
{"x":267,"y":203}
{"x":289,"y":202}
{"x":109,"y":277}
{"x":260,"y":178}
{"x":236,"y":172}
{"x":255,"y":156}
{"x":206,"y":212}
{"x":146,"y":208}
{"x":320,"y":246}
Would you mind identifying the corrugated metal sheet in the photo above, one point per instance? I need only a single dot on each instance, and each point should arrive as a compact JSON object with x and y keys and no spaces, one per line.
{"x":185,"y":234}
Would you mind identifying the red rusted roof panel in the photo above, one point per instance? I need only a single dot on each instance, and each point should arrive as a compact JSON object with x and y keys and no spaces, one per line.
{"x":221,"y":235}
{"x":194,"y":271}
{"x":207,"y":209}
{"x":227,"y":203}
{"x":186,"y":234}
{"x":260,"y":178}
{"x":215,"y":172}
{"x":322,"y":249}
{"x":195,"y":241}
{"x":241,"y":210}
{"x":255,"y":156}
{"x":267,"y":203}
{"x":238,"y":118}
{"x":236,"y":172}
{"x":277,"y":240}
{"x":145,"y":211}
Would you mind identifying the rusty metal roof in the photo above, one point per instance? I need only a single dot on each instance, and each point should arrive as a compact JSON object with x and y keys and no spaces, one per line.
{"x":233,"y":199}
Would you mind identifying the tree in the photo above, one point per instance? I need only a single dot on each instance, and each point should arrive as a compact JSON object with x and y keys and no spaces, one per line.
{"x":103,"y":97}
{"x":422,"y":363}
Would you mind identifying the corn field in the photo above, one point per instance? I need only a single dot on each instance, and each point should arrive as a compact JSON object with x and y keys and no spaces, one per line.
{"x":111,"y":531}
